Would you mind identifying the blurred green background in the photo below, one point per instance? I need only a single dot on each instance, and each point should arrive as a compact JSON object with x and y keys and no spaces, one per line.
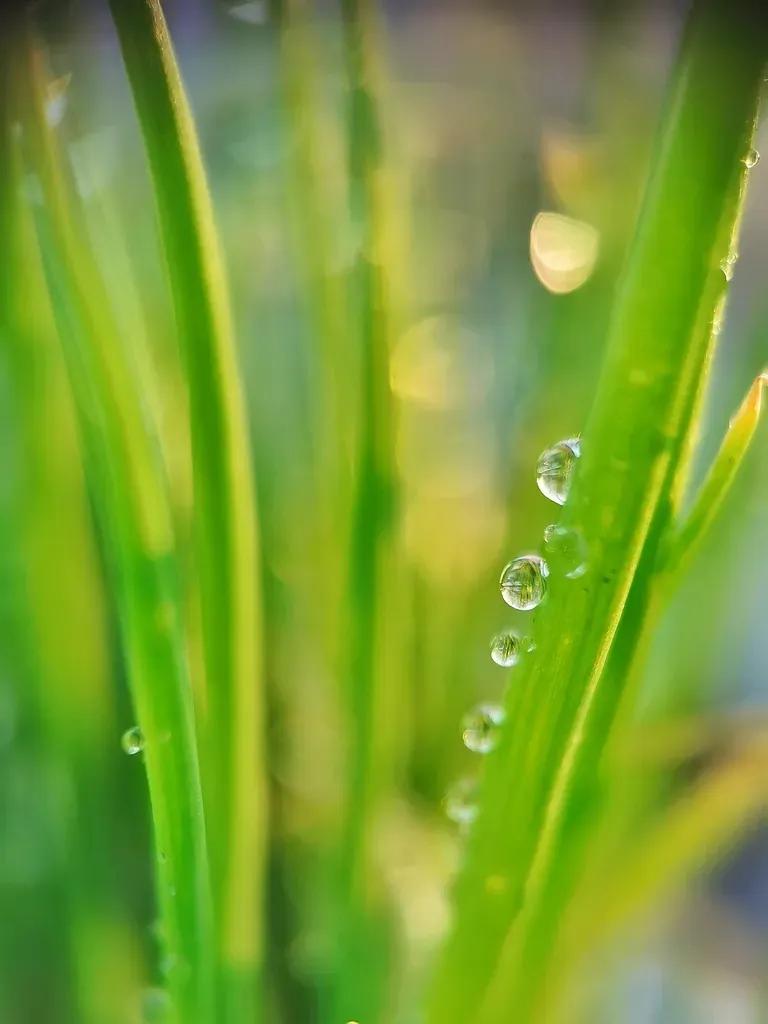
{"x":515,"y":141}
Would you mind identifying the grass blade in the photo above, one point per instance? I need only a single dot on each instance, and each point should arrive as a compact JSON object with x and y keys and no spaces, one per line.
{"x":718,"y":481}
{"x":655,"y":356}
{"x":371,"y":506}
{"x":129,"y":492}
{"x":225,"y":518}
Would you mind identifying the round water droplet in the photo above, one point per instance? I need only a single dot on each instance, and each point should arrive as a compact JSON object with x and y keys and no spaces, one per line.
{"x":480,"y":728}
{"x":728,"y":265}
{"x":155,"y":1006}
{"x":524,"y":582}
{"x":751,"y":159}
{"x":718,"y":316}
{"x":254,"y":12}
{"x":133,"y":740}
{"x":554,"y":470}
{"x":506,"y":648}
{"x":461,"y":802}
{"x":169,"y":963}
{"x":567,"y":550}
{"x":496,"y":885}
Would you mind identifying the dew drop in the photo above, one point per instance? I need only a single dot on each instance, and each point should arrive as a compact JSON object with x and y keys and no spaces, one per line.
{"x":253,"y":12}
{"x":461,"y":802}
{"x":155,"y":1006}
{"x":506,"y":648}
{"x":568,"y":548}
{"x":554,"y":470}
{"x":480,"y":728}
{"x":56,"y":99}
{"x":524,"y":582}
{"x":728,"y":265}
{"x":133,"y":740}
{"x":496,"y":885}
{"x":751,"y":159}
{"x":718,"y":316}
{"x":170,"y":964}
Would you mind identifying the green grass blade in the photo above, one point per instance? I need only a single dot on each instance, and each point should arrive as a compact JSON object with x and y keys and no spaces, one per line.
{"x":129,"y":493}
{"x":371,"y":517}
{"x":718,"y":481}
{"x":561,"y":710}
{"x":225,"y":518}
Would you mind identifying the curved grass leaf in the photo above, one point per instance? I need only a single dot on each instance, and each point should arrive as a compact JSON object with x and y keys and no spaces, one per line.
{"x":718,"y":481}
{"x":129,"y":492}
{"x":371,"y":516}
{"x":225,"y":518}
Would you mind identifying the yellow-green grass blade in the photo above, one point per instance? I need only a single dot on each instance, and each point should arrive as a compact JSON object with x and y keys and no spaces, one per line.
{"x":720,"y":477}
{"x":354,"y":994}
{"x":542,"y":779}
{"x":632,"y":873}
{"x":128,"y":489}
{"x":65,"y":689}
{"x":226,"y":547}
{"x":60,"y":684}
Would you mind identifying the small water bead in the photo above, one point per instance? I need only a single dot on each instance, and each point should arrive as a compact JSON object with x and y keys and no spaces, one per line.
{"x":523,"y":582}
{"x":506,"y":648}
{"x":554,"y":470}
{"x":496,"y":885}
{"x":728,"y":265}
{"x":461,"y":802}
{"x":480,"y":727}
{"x":253,"y":12}
{"x":155,"y":1006}
{"x":133,"y":740}
{"x":567,"y":547}
{"x":718,"y":316}
{"x":751,"y":159}
{"x":174,"y":967}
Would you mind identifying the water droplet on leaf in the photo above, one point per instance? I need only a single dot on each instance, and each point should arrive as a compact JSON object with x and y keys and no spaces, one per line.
{"x":155,"y":1006}
{"x":480,"y":728}
{"x":495,"y":885}
{"x":461,"y":802}
{"x":506,"y":648}
{"x":253,"y":12}
{"x":56,"y":99}
{"x":566,"y":549}
{"x":133,"y":740}
{"x":554,"y":470}
{"x":524,"y":582}
{"x":751,"y":159}
{"x":728,"y":265}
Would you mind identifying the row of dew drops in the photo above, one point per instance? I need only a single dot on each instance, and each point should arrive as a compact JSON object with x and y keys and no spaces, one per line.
{"x":523,"y":584}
